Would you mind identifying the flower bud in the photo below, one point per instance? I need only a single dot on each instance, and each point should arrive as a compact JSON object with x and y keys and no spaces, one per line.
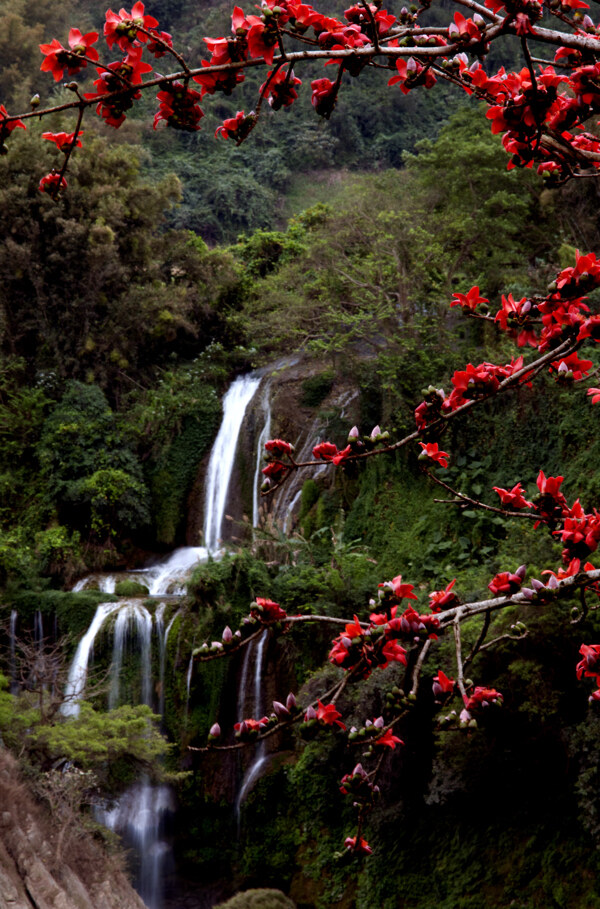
{"x":281,"y":712}
{"x":227,"y":635}
{"x":34,"y":101}
{"x":311,"y":714}
{"x":215,"y":732}
{"x":290,"y":702}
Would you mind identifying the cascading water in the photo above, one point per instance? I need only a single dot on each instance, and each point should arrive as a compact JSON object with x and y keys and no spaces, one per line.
{"x":222,"y":457}
{"x":75,"y":687}
{"x":163,"y":637}
{"x":140,"y":815}
{"x":254,"y":706}
{"x":14,"y":684}
{"x":130,"y":618}
{"x":260,"y":447}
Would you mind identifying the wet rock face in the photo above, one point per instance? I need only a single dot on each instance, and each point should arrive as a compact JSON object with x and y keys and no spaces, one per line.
{"x":32,"y":876}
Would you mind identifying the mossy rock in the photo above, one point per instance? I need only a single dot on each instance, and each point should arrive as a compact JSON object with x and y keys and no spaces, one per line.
{"x":259,"y":899}
{"x":131,"y":589}
{"x":316,"y":388}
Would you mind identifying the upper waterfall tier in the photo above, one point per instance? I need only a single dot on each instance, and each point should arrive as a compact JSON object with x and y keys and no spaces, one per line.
{"x":222,"y":457}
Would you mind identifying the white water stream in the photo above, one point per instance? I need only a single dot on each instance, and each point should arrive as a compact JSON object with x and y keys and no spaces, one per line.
{"x":222,"y":457}
{"x":141,"y":814}
{"x":251,"y":699}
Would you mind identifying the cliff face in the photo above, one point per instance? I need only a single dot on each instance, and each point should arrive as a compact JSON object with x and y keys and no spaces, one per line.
{"x":31,"y":874}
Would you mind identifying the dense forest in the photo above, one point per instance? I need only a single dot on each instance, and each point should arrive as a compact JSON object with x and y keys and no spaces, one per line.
{"x":127,"y":308}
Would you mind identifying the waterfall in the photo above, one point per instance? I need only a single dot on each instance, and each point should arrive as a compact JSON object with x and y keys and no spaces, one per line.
{"x":75,"y":686}
{"x":169,"y":575}
{"x":188,"y":683}
{"x":140,"y":816}
{"x":106,"y":583}
{"x":129,"y":617}
{"x":222,"y":457}
{"x":163,"y":637}
{"x":142,"y":812}
{"x":260,"y":447}
{"x":165,"y":577}
{"x":14,"y":683}
{"x":253,"y":661}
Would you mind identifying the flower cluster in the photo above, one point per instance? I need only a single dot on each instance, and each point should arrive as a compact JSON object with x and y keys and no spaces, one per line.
{"x":363,"y":647}
{"x":267,"y":611}
{"x":507,"y":583}
{"x":589,"y":667}
{"x":179,"y":107}
{"x":477,"y":702}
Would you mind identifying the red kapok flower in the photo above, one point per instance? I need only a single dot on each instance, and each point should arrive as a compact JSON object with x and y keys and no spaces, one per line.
{"x":513,"y":497}
{"x":482,"y":698}
{"x":267,"y":610}
{"x":122,"y":28}
{"x":469,"y":301}
{"x":589,"y":665}
{"x":238,"y":127}
{"x":52,"y":183}
{"x":431,"y":451}
{"x":388,"y":740}
{"x":281,"y":91}
{"x":549,"y":486}
{"x":278,"y":448}
{"x":594,"y":393}
{"x":443,"y":599}
{"x":159,"y":43}
{"x":59,"y":60}
{"x":328,"y":715}
{"x":179,"y":107}
{"x":505,"y":583}
{"x":6,"y":125}
{"x":360,"y":847}
{"x":325,"y":451}
{"x":324,"y":96}
{"x":442,"y":685}
{"x":63,"y":141}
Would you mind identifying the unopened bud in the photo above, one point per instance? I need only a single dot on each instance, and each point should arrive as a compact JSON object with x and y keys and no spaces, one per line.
{"x":34,"y":101}
{"x":215,"y":731}
{"x":281,"y":712}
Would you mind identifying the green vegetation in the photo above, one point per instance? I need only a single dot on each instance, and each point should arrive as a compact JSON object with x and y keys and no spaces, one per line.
{"x":119,"y":330}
